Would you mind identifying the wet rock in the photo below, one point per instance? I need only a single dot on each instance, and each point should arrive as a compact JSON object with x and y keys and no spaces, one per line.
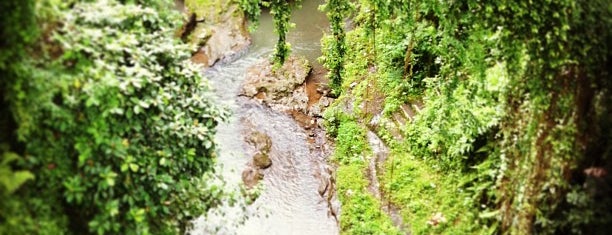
{"x":326,"y":101}
{"x":283,"y":88}
{"x":251,"y":176}
{"x":262,"y":160}
{"x":316,"y":110}
{"x":262,"y":144}
{"x":298,"y":99}
{"x":335,"y":207}
{"x":260,"y":141}
{"x":217,"y":34}
{"x":302,"y":119}
{"x":323,"y":185}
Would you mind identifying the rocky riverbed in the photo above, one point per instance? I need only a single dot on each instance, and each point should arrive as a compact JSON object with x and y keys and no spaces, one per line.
{"x":285,"y":90}
{"x":274,"y":143}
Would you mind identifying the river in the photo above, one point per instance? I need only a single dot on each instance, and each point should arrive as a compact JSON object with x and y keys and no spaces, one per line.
{"x":290,"y":202}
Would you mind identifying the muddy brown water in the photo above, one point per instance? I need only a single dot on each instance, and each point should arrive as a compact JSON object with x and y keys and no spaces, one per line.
{"x":290,"y":202}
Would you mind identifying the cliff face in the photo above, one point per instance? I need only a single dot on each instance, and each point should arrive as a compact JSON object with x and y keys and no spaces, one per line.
{"x":216,"y":29}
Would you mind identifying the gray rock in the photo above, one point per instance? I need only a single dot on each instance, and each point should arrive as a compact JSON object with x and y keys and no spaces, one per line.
{"x":316,"y":110}
{"x":283,"y":88}
{"x":220,"y":36}
{"x":326,"y":101}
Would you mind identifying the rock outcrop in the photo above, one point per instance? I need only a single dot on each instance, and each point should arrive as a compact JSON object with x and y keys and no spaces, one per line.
{"x":281,"y":89}
{"x":295,"y":90}
{"x":216,"y":29}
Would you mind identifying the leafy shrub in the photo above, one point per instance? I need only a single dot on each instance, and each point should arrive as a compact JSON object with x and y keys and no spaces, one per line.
{"x":117,"y":127}
{"x":333,"y":46}
{"x":529,"y":80}
{"x":252,"y":11}
{"x":281,"y":13}
{"x":351,"y":142}
{"x":361,"y":212}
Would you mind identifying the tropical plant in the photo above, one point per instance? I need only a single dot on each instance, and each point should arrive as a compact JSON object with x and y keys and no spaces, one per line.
{"x":334,"y":46}
{"x":116,"y":125}
{"x":281,"y":13}
{"x":515,"y":97}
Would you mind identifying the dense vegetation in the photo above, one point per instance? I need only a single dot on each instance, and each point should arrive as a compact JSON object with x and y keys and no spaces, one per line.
{"x":497,"y":113}
{"x":107,"y":126}
{"x":335,"y":47}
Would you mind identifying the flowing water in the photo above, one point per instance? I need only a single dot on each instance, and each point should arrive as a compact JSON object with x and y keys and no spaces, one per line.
{"x":291,"y":202}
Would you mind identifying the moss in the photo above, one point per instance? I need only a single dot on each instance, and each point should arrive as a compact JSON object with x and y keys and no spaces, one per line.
{"x":361,"y":212}
{"x":207,"y":9}
{"x":351,"y":145}
{"x":421,"y":191}
{"x":200,"y":35}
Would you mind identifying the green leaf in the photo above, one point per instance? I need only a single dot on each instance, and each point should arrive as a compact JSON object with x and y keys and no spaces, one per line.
{"x":13,"y":180}
{"x":134,"y":167}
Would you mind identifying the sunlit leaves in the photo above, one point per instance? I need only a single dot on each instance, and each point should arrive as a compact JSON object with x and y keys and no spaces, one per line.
{"x":125,"y":118}
{"x":11,"y":180}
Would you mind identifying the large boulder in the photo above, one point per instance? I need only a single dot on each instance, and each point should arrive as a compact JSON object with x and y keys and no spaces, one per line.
{"x":281,"y":88}
{"x":217,"y":29}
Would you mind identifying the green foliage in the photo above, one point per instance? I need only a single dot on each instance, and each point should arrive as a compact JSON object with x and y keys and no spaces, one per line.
{"x":252,"y":10}
{"x":513,"y":97}
{"x":119,"y":138}
{"x":351,"y":144}
{"x":448,"y":126}
{"x":334,"y":46}
{"x":11,"y":180}
{"x":361,"y":212}
{"x":208,"y":10}
{"x":281,"y":13}
{"x":17,"y":32}
{"x":423,"y":191}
